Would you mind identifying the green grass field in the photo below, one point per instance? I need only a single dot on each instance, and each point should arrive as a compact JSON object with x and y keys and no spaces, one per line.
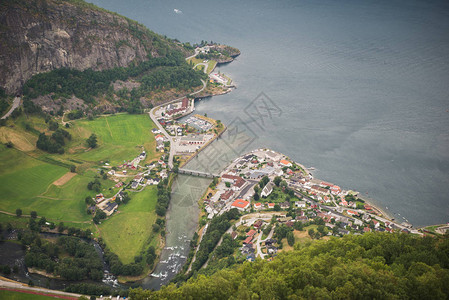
{"x":23,"y":178}
{"x":120,"y":137}
{"x":126,"y":232}
{"x":9,"y":295}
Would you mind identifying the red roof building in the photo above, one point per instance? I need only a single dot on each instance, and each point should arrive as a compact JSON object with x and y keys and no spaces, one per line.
{"x":185,"y":103}
{"x":252,"y":232}
{"x":248,"y":240}
{"x":240,"y":204}
{"x":226,"y":195}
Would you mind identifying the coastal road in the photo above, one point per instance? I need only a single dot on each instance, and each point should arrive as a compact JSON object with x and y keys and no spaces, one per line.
{"x":164,"y":132}
{"x":15,"y":104}
{"x":196,"y":53}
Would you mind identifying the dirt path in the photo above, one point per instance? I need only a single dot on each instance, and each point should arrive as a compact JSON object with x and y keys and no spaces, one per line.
{"x":64,"y":179}
{"x":109,"y":127}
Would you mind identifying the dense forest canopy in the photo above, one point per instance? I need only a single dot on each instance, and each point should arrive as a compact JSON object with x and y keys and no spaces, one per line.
{"x":369,"y":266}
{"x":170,"y":71}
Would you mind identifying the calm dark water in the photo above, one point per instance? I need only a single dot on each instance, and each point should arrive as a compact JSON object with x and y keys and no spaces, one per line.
{"x":362,"y":87}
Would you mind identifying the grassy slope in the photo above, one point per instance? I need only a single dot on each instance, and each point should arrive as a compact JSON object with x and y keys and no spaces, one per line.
{"x":27,"y":181}
{"x":23,"y":178}
{"x":120,"y":137}
{"x":128,"y":230}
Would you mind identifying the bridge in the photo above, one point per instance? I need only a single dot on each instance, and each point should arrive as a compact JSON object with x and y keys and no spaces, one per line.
{"x":197,"y":173}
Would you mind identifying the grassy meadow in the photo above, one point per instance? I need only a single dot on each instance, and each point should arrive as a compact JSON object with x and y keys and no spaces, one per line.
{"x":127,"y":232}
{"x":27,"y":174}
{"x":120,"y":137}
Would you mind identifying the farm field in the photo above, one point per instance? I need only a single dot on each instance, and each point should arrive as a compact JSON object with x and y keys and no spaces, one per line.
{"x":29,"y":178}
{"x":126,"y":232}
{"x":120,"y":137}
{"x":24,"y":178}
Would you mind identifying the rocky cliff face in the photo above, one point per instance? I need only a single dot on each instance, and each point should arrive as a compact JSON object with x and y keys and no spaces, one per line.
{"x":42,"y":35}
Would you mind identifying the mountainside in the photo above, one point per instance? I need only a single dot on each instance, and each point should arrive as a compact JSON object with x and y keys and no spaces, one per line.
{"x":44,"y":35}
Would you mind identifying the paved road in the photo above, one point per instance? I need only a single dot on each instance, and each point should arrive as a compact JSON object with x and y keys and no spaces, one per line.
{"x":15,"y":104}
{"x":196,"y":53}
{"x":205,"y":65}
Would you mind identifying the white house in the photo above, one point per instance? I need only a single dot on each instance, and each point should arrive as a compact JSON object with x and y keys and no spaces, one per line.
{"x":266,"y":191}
{"x":301,"y":204}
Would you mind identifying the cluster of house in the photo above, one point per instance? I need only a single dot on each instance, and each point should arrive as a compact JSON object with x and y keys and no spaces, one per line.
{"x":160,"y":139}
{"x":131,"y":164}
{"x":238,"y":179}
{"x":109,"y":205}
{"x":145,"y":178}
{"x":236,"y":191}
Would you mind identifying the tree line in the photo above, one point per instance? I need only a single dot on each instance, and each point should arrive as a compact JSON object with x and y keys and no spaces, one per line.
{"x":369,"y":266}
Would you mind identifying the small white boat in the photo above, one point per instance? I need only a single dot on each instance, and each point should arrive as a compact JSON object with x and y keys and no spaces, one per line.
{"x":177,"y":11}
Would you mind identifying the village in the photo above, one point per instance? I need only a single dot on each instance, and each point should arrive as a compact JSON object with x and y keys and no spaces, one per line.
{"x":276,"y":196}
{"x":181,"y":138}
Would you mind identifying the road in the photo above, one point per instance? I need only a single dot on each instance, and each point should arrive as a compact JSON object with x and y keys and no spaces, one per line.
{"x":259,"y":240}
{"x":9,"y":284}
{"x":15,"y":104}
{"x":164,"y":132}
{"x":205,"y":65}
{"x":197,"y":248}
{"x":197,"y":50}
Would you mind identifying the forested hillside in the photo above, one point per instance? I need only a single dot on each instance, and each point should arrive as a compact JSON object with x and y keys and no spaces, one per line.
{"x":370,"y":266}
{"x":72,"y":55}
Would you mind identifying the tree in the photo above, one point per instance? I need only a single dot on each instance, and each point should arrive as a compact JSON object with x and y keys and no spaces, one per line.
{"x":73,"y":168}
{"x":61,"y":227}
{"x":156,"y":227}
{"x":277,"y":180}
{"x":283,"y":184}
{"x":18,"y":212}
{"x":290,"y":238}
{"x":92,"y":141}
{"x":311,"y":233}
{"x":228,"y":184}
{"x":33,"y":214}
